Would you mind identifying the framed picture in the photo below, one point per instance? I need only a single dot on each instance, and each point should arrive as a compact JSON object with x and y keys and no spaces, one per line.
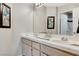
{"x":5,"y":16}
{"x":50,"y":22}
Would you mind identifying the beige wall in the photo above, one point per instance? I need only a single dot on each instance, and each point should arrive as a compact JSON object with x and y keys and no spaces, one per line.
{"x":22,"y":23}
{"x":40,"y":19}
{"x":6,"y":40}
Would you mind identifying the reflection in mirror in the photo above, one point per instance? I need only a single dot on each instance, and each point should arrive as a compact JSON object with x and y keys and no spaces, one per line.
{"x":66,"y":18}
{"x":66,"y":23}
{"x":78,"y":27}
{"x":50,"y":22}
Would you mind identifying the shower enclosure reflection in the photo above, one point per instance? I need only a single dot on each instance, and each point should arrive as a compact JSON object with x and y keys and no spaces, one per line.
{"x":66,"y":23}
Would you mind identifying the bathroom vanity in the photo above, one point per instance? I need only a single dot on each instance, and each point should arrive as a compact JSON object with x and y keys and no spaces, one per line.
{"x":63,"y":24}
{"x":33,"y":45}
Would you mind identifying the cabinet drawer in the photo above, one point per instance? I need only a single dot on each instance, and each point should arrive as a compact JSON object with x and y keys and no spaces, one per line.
{"x":35,"y":52}
{"x":26,"y":50}
{"x":26,"y":41}
{"x":36,"y":45}
{"x":53,"y":51}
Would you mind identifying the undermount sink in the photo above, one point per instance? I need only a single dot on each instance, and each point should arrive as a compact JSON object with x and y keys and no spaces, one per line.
{"x":43,"y":38}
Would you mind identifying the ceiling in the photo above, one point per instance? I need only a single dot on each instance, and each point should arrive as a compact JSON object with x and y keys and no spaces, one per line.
{"x":55,"y":4}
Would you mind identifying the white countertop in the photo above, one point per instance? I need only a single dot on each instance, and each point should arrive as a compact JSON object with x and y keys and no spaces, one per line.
{"x":55,"y":42}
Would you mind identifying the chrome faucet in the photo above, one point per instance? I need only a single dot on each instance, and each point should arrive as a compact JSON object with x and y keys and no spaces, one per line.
{"x":64,"y":38}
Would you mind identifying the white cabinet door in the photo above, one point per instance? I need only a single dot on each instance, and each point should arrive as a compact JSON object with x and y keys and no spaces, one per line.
{"x":36,"y":45}
{"x":26,"y":50}
{"x":35,"y":52}
{"x":35,"y":49}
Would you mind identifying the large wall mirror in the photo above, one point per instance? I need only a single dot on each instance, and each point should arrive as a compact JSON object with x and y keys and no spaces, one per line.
{"x":56,"y":19}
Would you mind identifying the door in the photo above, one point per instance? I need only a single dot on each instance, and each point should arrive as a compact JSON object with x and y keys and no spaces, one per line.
{"x":63,"y":26}
{"x":75,"y":19}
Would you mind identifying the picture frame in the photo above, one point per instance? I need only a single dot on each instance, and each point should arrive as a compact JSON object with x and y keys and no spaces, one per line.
{"x":50,"y":22}
{"x":5,"y":20}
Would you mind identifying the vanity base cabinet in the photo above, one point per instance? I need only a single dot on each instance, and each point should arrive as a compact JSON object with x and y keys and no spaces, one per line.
{"x":32,"y":48}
